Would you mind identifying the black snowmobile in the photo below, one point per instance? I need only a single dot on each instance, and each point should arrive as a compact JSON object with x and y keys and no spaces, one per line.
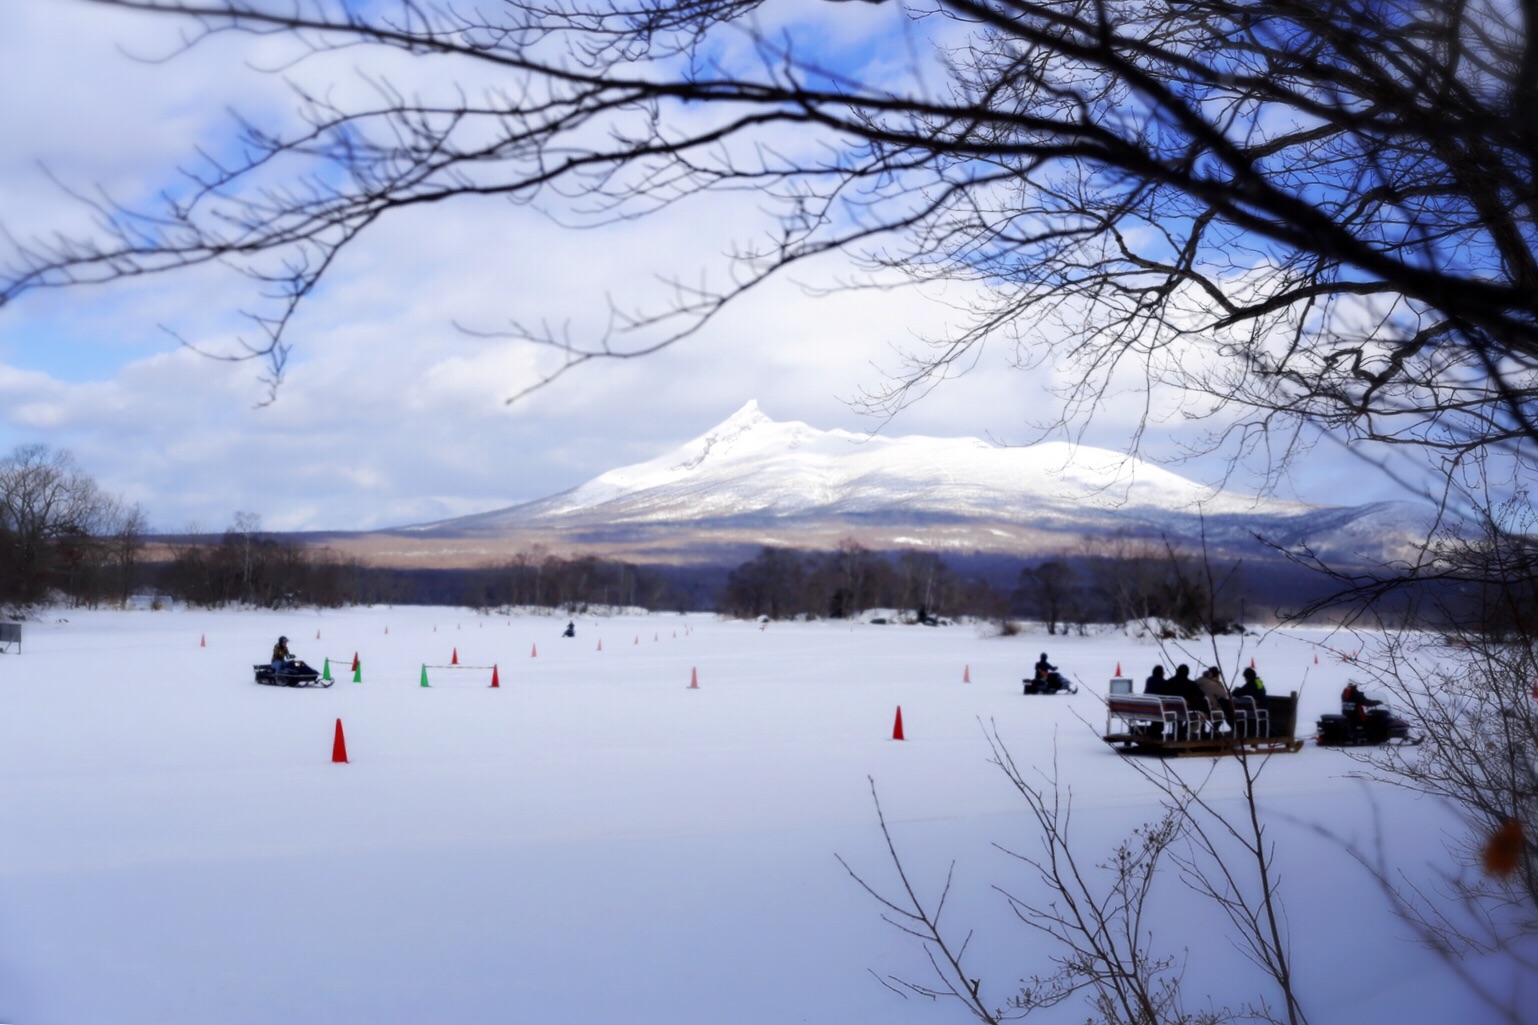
{"x":1369,"y":727}
{"x":1051,"y":683}
{"x":290,"y":673}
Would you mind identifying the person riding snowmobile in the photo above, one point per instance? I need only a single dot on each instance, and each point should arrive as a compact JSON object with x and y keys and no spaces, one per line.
{"x":1376,"y":723}
{"x":1354,"y":704}
{"x":1047,"y":680}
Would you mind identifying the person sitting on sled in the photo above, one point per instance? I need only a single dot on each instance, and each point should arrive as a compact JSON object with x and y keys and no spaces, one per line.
{"x":1252,"y":687}
{"x":1182,"y":686}
{"x":571,"y":630}
{"x":1216,"y":694}
{"x":280,"y":653}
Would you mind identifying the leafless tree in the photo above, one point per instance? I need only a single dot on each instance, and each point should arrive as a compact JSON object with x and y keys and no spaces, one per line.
{"x":1470,"y":691}
{"x":245,"y":532}
{"x":1480,"y":755}
{"x":924,"y":583}
{"x":44,"y":498}
{"x":1050,"y":590}
{"x":120,"y":531}
{"x":1308,"y":214}
{"x":1105,"y":946}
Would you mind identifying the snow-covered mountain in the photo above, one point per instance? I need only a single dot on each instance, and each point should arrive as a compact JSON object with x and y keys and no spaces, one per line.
{"x":753,"y":481}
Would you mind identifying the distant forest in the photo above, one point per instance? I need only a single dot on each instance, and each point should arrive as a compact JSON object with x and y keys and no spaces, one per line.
{"x":62,"y":539}
{"x":1125,"y":580}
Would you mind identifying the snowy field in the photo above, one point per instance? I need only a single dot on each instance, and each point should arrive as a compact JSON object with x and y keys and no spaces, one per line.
{"x":594,"y":841}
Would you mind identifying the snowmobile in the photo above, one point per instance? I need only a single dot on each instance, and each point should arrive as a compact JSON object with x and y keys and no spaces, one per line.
{"x":1052,"y":683}
{"x":291,"y":673}
{"x":1376,"y":727}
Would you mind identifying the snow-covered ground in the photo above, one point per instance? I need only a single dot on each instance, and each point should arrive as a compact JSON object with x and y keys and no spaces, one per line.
{"x":594,"y":841}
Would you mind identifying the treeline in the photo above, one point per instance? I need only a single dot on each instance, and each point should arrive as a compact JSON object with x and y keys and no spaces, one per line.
{"x":61,"y":535}
{"x":536,"y":577}
{"x":1125,"y":579}
{"x":1135,"y":579}
{"x":63,"y":538}
{"x":783,"y":583}
{"x":248,"y":567}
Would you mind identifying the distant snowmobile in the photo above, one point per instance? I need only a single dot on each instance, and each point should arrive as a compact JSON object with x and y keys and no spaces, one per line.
{"x":1047,"y":680}
{"x":290,"y":673}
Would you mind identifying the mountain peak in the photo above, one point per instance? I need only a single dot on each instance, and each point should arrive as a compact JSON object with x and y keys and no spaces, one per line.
{"x":726,"y":435}
{"x":748,"y":416}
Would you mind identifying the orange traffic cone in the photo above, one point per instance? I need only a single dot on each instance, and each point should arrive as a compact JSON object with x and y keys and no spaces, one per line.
{"x":1252,"y":663}
{"x":897,"y":727}
{"x":355,"y":661}
{"x":494,"y":681}
{"x":339,"y":745}
{"x":966,"y":673}
{"x":317,"y":634}
{"x":600,"y":644}
{"x":454,"y":658}
{"x":202,"y":640}
{"x":1118,"y":669}
{"x":694,"y":678}
{"x":534,"y":651}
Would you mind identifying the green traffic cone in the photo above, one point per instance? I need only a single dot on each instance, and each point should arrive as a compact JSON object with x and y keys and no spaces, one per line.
{"x":357,"y":671}
{"x":424,"y":674}
{"x":325,"y":673}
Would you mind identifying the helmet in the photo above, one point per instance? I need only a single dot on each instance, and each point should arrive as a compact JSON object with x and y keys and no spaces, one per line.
{"x":1248,"y":674}
{"x":282,"y":640}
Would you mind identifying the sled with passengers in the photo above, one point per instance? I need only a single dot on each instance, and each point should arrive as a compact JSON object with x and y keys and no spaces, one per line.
{"x":1162,"y":724}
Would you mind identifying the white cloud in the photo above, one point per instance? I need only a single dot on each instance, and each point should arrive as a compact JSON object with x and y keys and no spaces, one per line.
{"x":389,"y":414}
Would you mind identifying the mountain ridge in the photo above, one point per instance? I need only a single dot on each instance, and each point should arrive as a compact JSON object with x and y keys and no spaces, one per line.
{"x":752,"y":481}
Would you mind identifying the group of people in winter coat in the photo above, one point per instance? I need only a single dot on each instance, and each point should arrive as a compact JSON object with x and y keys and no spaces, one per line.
{"x":1206,"y":693}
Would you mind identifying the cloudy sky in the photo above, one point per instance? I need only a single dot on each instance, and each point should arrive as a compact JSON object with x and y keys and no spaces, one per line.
{"x":390,"y":414}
